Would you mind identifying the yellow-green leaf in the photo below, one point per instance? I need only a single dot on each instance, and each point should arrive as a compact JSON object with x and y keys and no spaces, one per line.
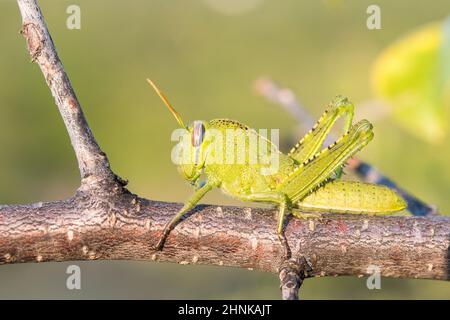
{"x":412,"y":75}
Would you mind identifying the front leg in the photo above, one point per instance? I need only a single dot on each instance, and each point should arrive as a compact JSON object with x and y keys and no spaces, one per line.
{"x":199,"y":193}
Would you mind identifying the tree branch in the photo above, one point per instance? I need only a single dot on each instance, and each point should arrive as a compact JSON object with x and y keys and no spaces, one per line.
{"x":119,"y":225}
{"x":92,"y":161}
{"x":103,"y":220}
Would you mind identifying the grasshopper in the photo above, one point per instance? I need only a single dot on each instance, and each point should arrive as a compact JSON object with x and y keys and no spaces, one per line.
{"x":307,"y":178}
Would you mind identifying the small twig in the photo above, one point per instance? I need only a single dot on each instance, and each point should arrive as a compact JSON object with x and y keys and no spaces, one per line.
{"x":122,"y":226}
{"x":286,"y":98}
{"x":292,"y":273}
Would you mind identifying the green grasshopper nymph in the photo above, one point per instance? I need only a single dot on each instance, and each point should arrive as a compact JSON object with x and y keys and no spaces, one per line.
{"x":307,"y":178}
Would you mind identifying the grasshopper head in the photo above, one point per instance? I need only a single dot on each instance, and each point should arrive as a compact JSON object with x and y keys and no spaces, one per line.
{"x":193,"y":151}
{"x":191,"y":154}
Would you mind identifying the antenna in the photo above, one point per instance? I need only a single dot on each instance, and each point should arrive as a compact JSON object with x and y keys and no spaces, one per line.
{"x":167,"y":103}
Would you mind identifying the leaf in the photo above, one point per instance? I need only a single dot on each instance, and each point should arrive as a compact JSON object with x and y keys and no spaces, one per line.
{"x":413,"y":75}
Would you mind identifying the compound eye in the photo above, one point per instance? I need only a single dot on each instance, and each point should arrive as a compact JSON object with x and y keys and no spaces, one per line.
{"x":198,"y":133}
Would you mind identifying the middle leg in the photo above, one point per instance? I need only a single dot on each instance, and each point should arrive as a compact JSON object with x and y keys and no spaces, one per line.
{"x":283,"y":203}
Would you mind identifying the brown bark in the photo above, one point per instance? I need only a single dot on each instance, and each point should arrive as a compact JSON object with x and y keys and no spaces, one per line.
{"x":112,"y":223}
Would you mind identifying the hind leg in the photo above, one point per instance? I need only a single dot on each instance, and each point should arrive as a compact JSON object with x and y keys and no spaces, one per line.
{"x":313,"y":173}
{"x":311,"y":143}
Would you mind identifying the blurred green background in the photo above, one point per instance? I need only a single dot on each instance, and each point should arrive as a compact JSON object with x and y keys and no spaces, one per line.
{"x":205,"y":55}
